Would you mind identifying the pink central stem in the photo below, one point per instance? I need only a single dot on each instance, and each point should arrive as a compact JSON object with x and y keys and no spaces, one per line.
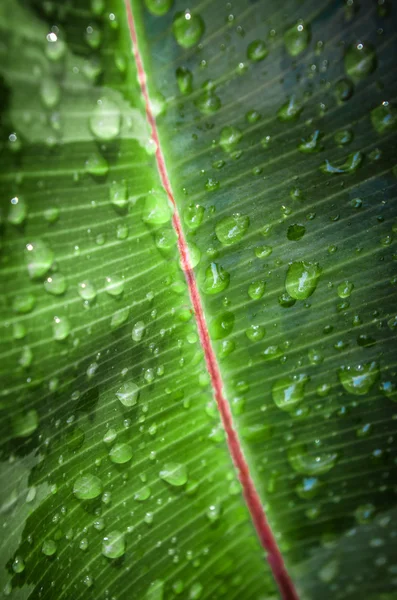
{"x":251,"y":495}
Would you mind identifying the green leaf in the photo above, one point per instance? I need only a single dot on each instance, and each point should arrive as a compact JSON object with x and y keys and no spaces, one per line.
{"x":178,"y":258}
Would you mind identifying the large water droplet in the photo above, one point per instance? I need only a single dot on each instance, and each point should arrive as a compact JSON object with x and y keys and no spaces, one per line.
{"x":289,"y":391}
{"x":222,"y":325}
{"x":229,"y":138}
{"x":128,"y":394}
{"x":360,"y":60}
{"x":156,"y":209}
{"x":257,"y":51}
{"x":120,"y":453}
{"x":55,"y":284}
{"x":155,"y":590}
{"x":214,"y":279}
{"x":105,"y":120}
{"x":304,"y":463}
{"x":193,"y":215}
{"x":297,"y":38}
{"x":231,"y":230}
{"x":174,"y":473}
{"x":61,"y":328}
{"x":87,"y":290}
{"x":113,"y":545}
{"x":23,"y":303}
{"x":87,"y":487}
{"x":184,"y":79}
{"x":384,"y":117}
{"x":301,"y":279}
{"x":360,"y":379}
{"x":114,"y":285}
{"x":18,"y":211}
{"x":39,"y":258}
{"x":187,"y":28}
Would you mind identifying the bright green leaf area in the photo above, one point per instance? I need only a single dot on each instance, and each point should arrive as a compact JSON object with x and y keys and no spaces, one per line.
{"x":278,"y":126}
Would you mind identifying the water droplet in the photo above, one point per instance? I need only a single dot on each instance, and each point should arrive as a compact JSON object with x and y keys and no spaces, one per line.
{"x":96,"y":165}
{"x":195,"y":591}
{"x":18,"y":564}
{"x":93,"y":36}
{"x":344,"y":89}
{"x":364,"y":513}
{"x":208,"y":102}
{"x":174,"y":473}
{"x":360,"y":379}
{"x":113,"y":545}
{"x":50,"y":92}
{"x":39,"y":258}
{"x":384,"y":117}
{"x":289,"y":391}
{"x":214,"y":279}
{"x":143,"y":494}
{"x":263,"y":251}
{"x":55,"y":284}
{"x":360,"y":60}
{"x":49,"y":547}
{"x":156,"y":210}
{"x":51,"y":214}
{"x":229,"y":138}
{"x":343,"y":137}
{"x":138,"y":331}
{"x":61,"y":328}
{"x":23,"y":303}
{"x":222,"y":325}
{"x":128,"y":394}
{"x":155,"y":590}
{"x":118,"y":194}
{"x":87,"y":487}
{"x":187,"y":28}
{"x":87,"y":290}
{"x":304,"y":463}
{"x":184,"y":79}
{"x":55,"y":48}
{"x":301,"y":279}
{"x":297,"y":38}
{"x":23,"y":425}
{"x":257,"y":51}
{"x":120,"y":453}
{"x":214,"y":512}
{"x":256,"y":289}
{"x":255,"y":333}
{"x":345,"y":289}
{"x":329,"y":571}
{"x":193,"y":215}
{"x":114,"y":286}
{"x":290,"y":111}
{"x":312,"y":143}
{"x":231,"y":230}
{"x":119,"y":317}
{"x":308,"y":488}
{"x":105,"y":120}
{"x":351,"y":164}
{"x":18,"y":211}
{"x":296,"y":232}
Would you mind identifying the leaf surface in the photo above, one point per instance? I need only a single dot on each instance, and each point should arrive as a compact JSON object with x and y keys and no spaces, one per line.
{"x":276,"y":127}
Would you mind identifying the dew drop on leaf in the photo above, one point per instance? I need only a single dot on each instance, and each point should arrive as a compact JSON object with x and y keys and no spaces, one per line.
{"x":301,"y":279}
{"x":155,"y":590}
{"x":18,"y":211}
{"x":215,"y":279}
{"x":289,"y":391}
{"x":174,"y":473}
{"x":360,"y":379}
{"x":87,"y":487}
{"x":55,"y":284}
{"x":61,"y":328}
{"x":114,"y":286}
{"x":184,"y":79}
{"x":231,"y":230}
{"x":257,"y":51}
{"x":306,"y":464}
{"x":297,"y":38}
{"x":113,"y":544}
{"x":256,"y":289}
{"x":188,"y":28}
{"x":39,"y":258}
{"x":360,"y":60}
{"x":49,"y":547}
{"x":384,"y":117}
{"x":229,"y":138}
{"x":156,"y":210}
{"x":105,"y":120}
{"x":87,"y":290}
{"x":120,"y":453}
{"x":128,"y":394}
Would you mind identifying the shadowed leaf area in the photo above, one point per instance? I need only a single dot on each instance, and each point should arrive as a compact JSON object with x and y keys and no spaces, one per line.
{"x":277,"y":122}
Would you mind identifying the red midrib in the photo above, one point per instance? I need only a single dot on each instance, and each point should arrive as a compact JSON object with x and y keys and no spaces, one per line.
{"x":251,"y":495}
